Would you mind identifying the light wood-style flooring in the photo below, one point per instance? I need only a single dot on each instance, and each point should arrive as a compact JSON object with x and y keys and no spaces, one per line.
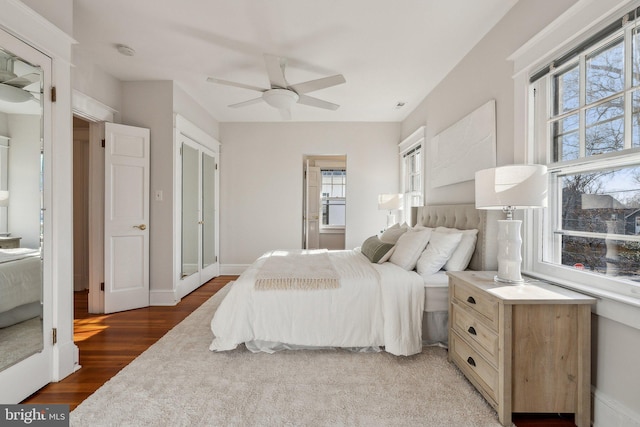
{"x":108,"y":343}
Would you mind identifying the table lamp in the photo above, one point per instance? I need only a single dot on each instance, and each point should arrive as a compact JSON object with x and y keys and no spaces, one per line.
{"x":509,"y":188}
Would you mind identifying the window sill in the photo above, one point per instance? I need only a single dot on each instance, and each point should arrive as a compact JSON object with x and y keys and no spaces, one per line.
{"x":332,"y":230}
{"x":611,"y":305}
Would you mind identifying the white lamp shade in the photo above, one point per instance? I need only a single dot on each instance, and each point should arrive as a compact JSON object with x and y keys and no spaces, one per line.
{"x":4,"y":198}
{"x":515,"y":186}
{"x":389,"y":201}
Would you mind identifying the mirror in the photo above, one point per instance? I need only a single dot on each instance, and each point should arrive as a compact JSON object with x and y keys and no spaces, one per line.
{"x":208,"y":210}
{"x":190,"y":174}
{"x":21,"y":220}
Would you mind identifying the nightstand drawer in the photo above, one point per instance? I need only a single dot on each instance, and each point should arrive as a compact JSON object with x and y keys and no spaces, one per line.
{"x":478,"y":301}
{"x":9,"y":242}
{"x":473,"y":365}
{"x":479,"y":335}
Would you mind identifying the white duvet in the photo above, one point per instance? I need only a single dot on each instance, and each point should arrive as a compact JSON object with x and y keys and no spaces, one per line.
{"x":376,"y":305}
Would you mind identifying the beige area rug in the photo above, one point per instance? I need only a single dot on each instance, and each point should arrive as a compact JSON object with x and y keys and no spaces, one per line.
{"x":179,"y":382}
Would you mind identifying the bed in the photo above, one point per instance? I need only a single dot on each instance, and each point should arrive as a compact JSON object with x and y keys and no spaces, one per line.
{"x":20,"y":285}
{"x":460,"y":217}
{"x":363,"y":303}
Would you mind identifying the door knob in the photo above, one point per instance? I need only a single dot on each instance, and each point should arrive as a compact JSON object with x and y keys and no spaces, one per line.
{"x":140,"y":227}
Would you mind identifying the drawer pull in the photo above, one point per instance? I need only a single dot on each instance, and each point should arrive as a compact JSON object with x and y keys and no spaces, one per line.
{"x":472,"y":330}
{"x":471,"y":362}
{"x":471,"y":300}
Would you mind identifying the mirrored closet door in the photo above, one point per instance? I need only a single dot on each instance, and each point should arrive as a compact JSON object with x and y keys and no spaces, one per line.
{"x":25,"y":285}
{"x":198,"y":215}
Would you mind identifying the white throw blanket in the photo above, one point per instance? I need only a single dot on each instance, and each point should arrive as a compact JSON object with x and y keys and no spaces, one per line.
{"x":303,"y":270}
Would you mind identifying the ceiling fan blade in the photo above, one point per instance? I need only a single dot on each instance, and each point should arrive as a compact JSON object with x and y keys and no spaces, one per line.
{"x":313,"y":85}
{"x":275,"y":70}
{"x":245,"y":103}
{"x":23,"y":81}
{"x":235,"y":84}
{"x":315,"y":102}
{"x":285,"y":114}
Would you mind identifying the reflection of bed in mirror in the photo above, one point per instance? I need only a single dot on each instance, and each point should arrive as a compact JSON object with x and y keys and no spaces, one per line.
{"x":20,"y":304}
{"x":20,"y":285}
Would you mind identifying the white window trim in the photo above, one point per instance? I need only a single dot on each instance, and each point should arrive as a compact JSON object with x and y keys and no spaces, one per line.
{"x":576,"y":24}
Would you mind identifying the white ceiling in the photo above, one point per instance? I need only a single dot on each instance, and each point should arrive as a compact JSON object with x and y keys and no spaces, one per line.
{"x":388,"y":51}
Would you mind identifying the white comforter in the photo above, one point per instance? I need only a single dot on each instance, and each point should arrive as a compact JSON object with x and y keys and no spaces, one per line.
{"x":376,"y":305}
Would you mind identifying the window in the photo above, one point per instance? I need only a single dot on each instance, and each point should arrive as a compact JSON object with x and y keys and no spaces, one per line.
{"x":412,"y":167}
{"x":591,"y":116}
{"x":333,"y":198}
{"x":412,"y":162}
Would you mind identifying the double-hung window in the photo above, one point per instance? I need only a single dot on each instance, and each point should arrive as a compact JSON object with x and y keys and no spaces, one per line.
{"x":333,"y":198}
{"x":587,"y":125}
{"x":412,"y":170}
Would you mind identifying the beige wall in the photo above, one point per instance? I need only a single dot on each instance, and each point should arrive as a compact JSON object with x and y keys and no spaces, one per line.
{"x":486,"y":73}
{"x":483,"y":74}
{"x":261,"y":181}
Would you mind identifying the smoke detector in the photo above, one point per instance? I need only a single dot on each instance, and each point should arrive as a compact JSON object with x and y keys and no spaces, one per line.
{"x":125,"y":50}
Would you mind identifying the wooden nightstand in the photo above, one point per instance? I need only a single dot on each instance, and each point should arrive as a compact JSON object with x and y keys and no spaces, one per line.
{"x":9,"y":242}
{"x":526,"y":348}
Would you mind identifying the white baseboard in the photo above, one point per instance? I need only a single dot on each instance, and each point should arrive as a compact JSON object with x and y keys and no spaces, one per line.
{"x":608,"y":412}
{"x":166,"y":298}
{"x":232,"y":269}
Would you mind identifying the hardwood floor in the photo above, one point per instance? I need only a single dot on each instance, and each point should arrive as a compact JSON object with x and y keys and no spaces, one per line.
{"x":108,"y":343}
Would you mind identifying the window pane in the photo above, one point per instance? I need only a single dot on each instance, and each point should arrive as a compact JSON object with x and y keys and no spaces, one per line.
{"x":606,"y":202}
{"x":605,"y":71}
{"x":334,"y":212}
{"x":636,"y":57}
{"x":635,"y":120}
{"x":566,"y":139}
{"x":605,"y":127}
{"x":606,"y":256}
{"x":567,"y":91}
{"x":601,"y":201}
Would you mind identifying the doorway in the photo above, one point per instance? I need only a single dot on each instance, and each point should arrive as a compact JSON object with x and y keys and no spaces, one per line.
{"x":324,"y":201}
{"x":80,"y":205}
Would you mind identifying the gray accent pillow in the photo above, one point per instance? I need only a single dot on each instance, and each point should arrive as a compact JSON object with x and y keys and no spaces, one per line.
{"x":374,"y":249}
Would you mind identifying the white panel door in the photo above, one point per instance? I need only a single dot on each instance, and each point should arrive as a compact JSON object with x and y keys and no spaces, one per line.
{"x":312,"y":203}
{"x":126,"y":225}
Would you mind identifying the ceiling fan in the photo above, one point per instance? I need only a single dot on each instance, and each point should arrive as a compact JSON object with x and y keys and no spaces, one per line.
{"x":13,"y":87}
{"x":281,"y":94}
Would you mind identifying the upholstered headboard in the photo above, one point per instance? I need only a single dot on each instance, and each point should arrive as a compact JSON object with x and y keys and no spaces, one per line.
{"x":465,"y":217}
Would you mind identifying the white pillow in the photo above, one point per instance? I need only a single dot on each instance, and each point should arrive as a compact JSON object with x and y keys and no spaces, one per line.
{"x":438,"y":251}
{"x":409,"y":247}
{"x":461,"y":257}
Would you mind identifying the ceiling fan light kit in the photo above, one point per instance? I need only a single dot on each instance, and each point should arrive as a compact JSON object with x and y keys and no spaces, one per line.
{"x":13,"y":94}
{"x":281,"y":95}
{"x":280,"y":98}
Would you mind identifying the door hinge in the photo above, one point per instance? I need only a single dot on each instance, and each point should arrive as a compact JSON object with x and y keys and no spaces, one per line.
{"x":216,"y":166}
{"x":53,"y":94}
{"x":103,"y":142}
{"x":54,"y":335}
{"x":102,"y":286}
{"x":215,"y":258}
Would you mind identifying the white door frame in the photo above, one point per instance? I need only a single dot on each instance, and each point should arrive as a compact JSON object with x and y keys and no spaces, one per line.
{"x":96,"y":114}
